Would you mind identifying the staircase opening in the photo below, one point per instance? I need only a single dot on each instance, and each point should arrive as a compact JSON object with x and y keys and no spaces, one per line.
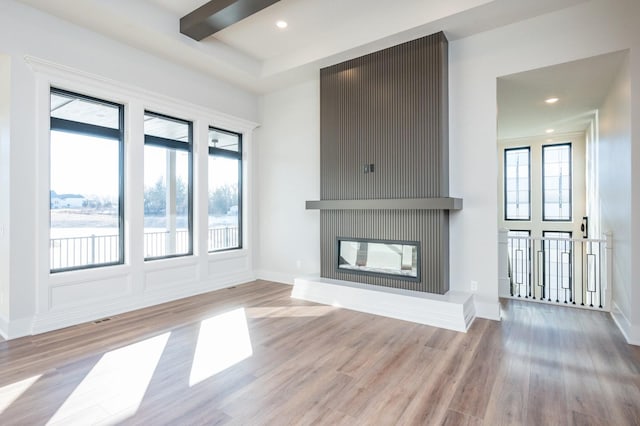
{"x":555,"y":246}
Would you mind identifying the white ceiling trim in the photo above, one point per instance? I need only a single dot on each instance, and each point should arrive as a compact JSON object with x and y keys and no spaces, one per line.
{"x":65,"y":77}
{"x":254,"y":55}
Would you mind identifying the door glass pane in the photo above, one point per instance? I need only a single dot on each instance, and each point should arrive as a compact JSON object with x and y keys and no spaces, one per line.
{"x":519,"y":247}
{"x":557,"y":182}
{"x":557,"y":263}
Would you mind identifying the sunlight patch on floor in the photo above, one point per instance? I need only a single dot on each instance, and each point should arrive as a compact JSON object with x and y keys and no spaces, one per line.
{"x":10,"y":393}
{"x":223,"y":341}
{"x":289,"y":311}
{"x":118,"y":381}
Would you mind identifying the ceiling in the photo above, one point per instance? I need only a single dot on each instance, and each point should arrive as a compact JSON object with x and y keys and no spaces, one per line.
{"x":258,"y":56}
{"x":581,"y":87}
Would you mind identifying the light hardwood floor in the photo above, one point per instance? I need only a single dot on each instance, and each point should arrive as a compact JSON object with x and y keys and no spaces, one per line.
{"x":314,"y":364}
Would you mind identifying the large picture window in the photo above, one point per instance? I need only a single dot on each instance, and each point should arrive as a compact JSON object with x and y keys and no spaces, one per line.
{"x":168,"y":186}
{"x":517,"y":184}
{"x":556,"y":183}
{"x":225,"y":190}
{"x":86,"y":187}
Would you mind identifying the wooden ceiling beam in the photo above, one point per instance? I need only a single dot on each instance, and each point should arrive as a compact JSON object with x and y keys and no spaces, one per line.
{"x":216,"y":15}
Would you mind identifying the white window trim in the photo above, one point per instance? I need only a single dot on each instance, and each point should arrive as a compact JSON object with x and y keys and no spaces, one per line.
{"x":136,"y":101}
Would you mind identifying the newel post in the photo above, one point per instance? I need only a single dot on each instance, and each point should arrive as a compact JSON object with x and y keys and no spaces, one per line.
{"x":504,"y":288}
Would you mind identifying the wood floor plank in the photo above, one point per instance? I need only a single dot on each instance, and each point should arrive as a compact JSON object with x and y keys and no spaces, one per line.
{"x":311,"y":364}
{"x":547,"y":394}
{"x":454,"y":418}
{"x":508,"y":401}
{"x":474,"y":390}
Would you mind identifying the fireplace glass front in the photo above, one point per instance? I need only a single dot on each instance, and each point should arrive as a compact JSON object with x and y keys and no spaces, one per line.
{"x":399,"y":259}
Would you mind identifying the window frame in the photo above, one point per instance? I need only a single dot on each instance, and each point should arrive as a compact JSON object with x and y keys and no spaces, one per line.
{"x":544,"y":218}
{"x":504,"y":184}
{"x":225,"y":153}
{"x":175,"y":144}
{"x":69,"y":126}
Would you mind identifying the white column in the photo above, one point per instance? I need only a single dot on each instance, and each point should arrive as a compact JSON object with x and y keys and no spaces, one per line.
{"x":134,"y":194}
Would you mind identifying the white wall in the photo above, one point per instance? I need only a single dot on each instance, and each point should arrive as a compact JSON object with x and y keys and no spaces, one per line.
{"x":5,"y":117}
{"x":589,"y":29}
{"x":614,"y":180}
{"x":39,"y":301}
{"x":288,"y":144}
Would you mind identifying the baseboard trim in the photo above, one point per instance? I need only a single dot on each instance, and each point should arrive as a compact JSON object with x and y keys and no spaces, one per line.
{"x":487,"y":309}
{"x":630,"y":332}
{"x":504,"y":285}
{"x":15,"y":329}
{"x":453,"y":311}
{"x":4,"y":328}
{"x":279,"y":277}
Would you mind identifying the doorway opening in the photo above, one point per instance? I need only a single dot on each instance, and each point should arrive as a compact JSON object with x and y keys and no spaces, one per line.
{"x":555,"y":245}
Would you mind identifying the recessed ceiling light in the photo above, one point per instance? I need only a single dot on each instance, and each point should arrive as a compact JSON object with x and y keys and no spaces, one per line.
{"x":550,"y":130}
{"x":552,"y":100}
{"x":282,"y":24}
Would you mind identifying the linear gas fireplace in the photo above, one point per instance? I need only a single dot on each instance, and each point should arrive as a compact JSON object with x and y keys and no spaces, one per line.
{"x":398,"y":259}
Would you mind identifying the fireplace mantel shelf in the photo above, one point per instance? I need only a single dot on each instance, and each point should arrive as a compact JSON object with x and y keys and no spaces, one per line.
{"x":443,"y":203}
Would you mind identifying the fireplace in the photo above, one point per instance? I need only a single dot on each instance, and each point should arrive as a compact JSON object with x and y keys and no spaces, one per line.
{"x":384,"y":188}
{"x":384,"y":168}
{"x":398,"y":259}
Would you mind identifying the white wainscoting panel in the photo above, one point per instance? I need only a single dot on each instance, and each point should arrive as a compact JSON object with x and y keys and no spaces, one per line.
{"x":170,"y":276}
{"x":227,"y":266}
{"x":87,"y":292}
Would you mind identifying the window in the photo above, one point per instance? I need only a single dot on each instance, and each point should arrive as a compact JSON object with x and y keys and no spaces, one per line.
{"x":168,"y":186}
{"x":517,"y":184}
{"x":556,"y":183}
{"x":225,"y":190}
{"x":86,"y":203}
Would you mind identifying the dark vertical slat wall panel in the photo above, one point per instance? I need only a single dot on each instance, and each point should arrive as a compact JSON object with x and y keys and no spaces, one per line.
{"x":389,"y":109}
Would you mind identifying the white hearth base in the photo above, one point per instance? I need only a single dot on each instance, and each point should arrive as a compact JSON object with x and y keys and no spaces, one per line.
{"x":454,"y":310}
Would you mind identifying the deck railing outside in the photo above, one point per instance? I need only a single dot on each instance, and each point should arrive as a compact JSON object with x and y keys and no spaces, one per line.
{"x":73,"y":252}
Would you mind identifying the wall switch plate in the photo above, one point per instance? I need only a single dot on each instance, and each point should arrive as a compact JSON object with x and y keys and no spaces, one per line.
{"x":365,"y":168}
{"x":474,"y":285}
